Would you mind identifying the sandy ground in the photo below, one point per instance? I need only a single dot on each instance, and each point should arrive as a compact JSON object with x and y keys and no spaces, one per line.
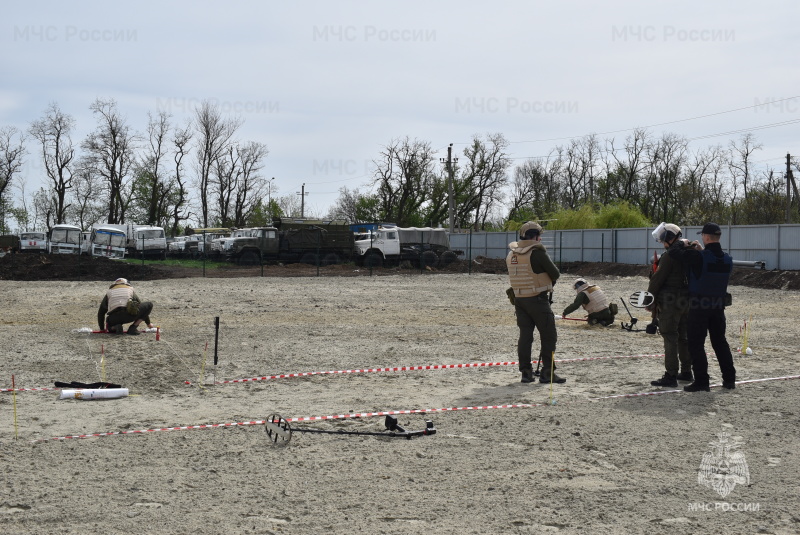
{"x":591,"y":463}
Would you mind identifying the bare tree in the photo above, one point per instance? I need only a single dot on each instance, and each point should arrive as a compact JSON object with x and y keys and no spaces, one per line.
{"x":179,"y":195}
{"x":11,"y":158}
{"x":484,"y":175}
{"x":154,"y":186}
{"x":214,"y":136}
{"x":87,"y":207}
{"x":740,"y":163}
{"x":110,"y":152}
{"x":251,"y":185}
{"x":54,"y":131}
{"x":623,"y":180}
{"x":403,"y":176}
{"x":535,"y":187}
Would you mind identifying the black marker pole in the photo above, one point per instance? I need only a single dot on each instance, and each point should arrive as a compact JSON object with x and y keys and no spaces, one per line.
{"x":216,"y":338}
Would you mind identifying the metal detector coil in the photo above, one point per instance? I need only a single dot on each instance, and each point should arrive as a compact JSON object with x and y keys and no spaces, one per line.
{"x":641,"y":299}
{"x":280,"y":431}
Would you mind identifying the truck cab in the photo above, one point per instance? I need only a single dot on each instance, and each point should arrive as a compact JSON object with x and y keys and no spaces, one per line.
{"x":147,"y":241}
{"x":33,"y":242}
{"x":64,"y":239}
{"x":253,"y":245}
{"x":108,"y":241}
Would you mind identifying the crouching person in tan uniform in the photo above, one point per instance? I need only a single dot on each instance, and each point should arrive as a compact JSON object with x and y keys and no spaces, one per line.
{"x":121,"y":305}
{"x":532,"y":274}
{"x":593,"y":301}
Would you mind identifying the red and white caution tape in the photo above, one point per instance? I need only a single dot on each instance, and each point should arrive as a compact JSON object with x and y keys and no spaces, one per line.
{"x":396,"y":412}
{"x":414,"y":368}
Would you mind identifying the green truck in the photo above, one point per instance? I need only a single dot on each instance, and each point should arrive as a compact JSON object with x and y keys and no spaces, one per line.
{"x":293,"y":240}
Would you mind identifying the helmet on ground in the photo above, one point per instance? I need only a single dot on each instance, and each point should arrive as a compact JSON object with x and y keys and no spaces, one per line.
{"x":579,"y":284}
{"x":528,"y":227}
{"x":666,"y":232}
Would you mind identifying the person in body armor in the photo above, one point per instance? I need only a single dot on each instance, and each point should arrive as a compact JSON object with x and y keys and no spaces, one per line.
{"x":115,"y":311}
{"x":533,"y":274}
{"x":708,"y":270}
{"x":671,"y":306}
{"x":593,"y":301}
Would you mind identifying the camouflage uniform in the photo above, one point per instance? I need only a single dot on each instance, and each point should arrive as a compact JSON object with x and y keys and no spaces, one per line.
{"x":669,"y":287}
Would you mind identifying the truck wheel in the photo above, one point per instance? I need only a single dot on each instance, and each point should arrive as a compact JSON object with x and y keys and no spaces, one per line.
{"x":249,"y":258}
{"x":331,"y":259}
{"x":373,"y":260}
{"x":448,"y":257}
{"x":429,"y":259}
{"x":309,"y":258}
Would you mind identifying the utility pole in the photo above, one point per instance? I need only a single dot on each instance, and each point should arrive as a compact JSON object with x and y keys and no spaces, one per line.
{"x":303,"y":194}
{"x":269,"y":205}
{"x":790,"y":179}
{"x":451,"y":201}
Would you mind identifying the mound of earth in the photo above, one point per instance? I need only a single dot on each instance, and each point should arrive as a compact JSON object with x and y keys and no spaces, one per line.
{"x":30,"y":267}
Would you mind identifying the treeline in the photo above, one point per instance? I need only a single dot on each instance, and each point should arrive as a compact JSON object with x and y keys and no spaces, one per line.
{"x":199,"y":173}
{"x":171,"y":175}
{"x":661,"y":178}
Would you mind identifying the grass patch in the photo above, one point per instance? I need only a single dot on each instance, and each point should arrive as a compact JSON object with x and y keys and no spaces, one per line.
{"x":185,"y":263}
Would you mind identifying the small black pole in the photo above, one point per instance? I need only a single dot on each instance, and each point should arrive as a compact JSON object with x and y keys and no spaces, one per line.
{"x":216,"y":338}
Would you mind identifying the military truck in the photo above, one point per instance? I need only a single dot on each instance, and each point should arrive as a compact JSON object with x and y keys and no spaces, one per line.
{"x":388,"y":245}
{"x":288,"y":240}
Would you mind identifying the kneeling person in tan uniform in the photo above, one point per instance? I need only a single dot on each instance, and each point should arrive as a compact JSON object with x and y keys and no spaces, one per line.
{"x":114,"y":310}
{"x":594,"y":301}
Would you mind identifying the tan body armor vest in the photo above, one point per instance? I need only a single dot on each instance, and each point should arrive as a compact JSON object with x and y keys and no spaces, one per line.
{"x":597,"y":300}
{"x":525,"y":282}
{"x":118,"y":296}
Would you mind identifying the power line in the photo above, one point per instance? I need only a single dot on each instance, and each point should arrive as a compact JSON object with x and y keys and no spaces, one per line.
{"x":658,"y":124}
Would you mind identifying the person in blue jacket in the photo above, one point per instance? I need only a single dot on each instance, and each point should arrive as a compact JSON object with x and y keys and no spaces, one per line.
{"x":708,"y":270}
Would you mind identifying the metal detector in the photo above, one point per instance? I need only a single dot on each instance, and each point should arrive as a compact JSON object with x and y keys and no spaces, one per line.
{"x":641,"y":299}
{"x":280,"y":431}
{"x":629,"y":326}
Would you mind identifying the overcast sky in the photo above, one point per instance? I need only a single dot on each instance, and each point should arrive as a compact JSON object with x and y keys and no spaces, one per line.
{"x":326,"y":84}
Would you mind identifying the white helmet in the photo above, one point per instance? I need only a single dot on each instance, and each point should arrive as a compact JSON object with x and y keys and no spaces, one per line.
{"x":579,"y":284}
{"x":666,"y":231}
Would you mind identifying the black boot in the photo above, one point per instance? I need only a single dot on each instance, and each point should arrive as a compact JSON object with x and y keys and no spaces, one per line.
{"x":667,"y":380}
{"x":545,"y":378}
{"x":697,"y":386}
{"x":118,"y":329}
{"x":133,"y":329}
{"x":527,"y":376}
{"x":685,"y":376}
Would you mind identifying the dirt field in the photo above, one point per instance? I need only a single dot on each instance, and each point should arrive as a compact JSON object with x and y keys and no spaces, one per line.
{"x":506,"y":461}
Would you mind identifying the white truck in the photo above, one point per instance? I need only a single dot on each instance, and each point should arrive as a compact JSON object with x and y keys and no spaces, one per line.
{"x":423,"y":247}
{"x":107,"y":241}
{"x":33,"y":242}
{"x":64,"y":239}
{"x":143,"y":240}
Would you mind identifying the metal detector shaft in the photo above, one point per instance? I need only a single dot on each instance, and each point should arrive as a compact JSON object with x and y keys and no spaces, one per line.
{"x":390,"y":434}
{"x":633,"y":320}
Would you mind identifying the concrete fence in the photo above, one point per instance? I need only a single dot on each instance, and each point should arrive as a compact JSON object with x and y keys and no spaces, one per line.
{"x":777,"y":246}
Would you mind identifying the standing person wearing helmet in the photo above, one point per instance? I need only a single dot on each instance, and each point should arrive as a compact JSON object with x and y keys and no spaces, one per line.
{"x":533,"y":274}
{"x":121,"y":305}
{"x":671,"y":305}
{"x":594,"y":301}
